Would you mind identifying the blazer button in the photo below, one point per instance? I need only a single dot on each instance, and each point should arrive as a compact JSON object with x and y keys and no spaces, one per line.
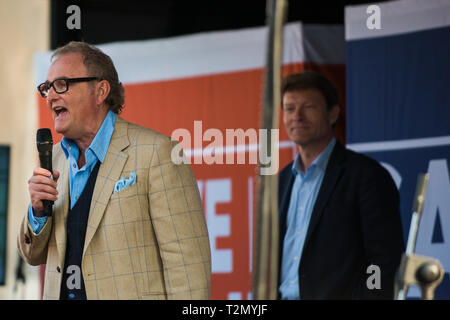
{"x":58,"y":269}
{"x":27,"y":239}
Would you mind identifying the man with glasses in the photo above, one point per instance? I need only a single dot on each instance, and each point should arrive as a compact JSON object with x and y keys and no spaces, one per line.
{"x":127,"y":223}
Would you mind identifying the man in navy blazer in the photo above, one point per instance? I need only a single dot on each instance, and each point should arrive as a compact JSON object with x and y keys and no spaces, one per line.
{"x":340,"y":226}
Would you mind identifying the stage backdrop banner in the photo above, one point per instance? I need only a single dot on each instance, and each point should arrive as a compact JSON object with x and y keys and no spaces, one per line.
{"x":398,"y":109}
{"x":202,"y":85}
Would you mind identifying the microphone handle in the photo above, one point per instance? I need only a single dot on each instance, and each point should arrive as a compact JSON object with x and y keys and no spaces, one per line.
{"x":45,"y":159}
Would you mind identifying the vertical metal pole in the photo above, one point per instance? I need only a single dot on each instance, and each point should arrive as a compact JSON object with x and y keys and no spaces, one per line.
{"x":266,"y":234}
{"x":419,"y":199}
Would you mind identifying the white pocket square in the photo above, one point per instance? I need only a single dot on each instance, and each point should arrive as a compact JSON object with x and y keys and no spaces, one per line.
{"x":124,"y":183}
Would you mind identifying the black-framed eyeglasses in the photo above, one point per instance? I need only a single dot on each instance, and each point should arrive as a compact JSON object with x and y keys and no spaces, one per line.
{"x":60,"y":85}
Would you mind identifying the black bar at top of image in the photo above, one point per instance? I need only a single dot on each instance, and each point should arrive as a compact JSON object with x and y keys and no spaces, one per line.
{"x":104,"y":21}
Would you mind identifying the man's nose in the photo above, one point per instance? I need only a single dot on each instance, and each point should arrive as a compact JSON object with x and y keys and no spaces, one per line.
{"x":51,"y":94}
{"x":299,"y":113}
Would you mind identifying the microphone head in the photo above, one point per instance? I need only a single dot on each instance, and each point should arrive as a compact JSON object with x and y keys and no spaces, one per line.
{"x":44,"y":140}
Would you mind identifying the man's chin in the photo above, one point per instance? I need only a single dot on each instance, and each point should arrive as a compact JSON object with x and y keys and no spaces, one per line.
{"x":300,"y":140}
{"x":60,"y":129}
{"x":60,"y":126}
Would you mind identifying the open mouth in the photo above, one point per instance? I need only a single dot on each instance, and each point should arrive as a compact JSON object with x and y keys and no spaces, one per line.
{"x":59,"y":110}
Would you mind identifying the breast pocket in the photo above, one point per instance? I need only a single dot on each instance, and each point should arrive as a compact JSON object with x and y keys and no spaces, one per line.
{"x":125,"y":193}
{"x":126,"y":202}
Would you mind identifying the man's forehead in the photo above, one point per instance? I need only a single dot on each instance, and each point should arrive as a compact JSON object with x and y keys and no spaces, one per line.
{"x":306,"y":94}
{"x":66,"y":65}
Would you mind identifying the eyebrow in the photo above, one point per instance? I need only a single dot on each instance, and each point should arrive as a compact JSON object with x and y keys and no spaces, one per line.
{"x":59,"y":78}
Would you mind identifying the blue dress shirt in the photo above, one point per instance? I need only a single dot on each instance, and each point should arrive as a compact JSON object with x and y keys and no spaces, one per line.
{"x":303,"y":197}
{"x":78,"y":177}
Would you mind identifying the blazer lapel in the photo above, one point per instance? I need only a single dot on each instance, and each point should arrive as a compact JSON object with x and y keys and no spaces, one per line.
{"x":109,"y":172}
{"x":61,"y":206}
{"x":285,"y":184}
{"x":285,"y":197}
{"x":332,"y":174}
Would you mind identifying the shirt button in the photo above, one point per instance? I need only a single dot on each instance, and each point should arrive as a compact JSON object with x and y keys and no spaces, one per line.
{"x":295,"y":258}
{"x":78,"y":197}
{"x":306,"y":183}
{"x":298,"y":233}
{"x":292,"y":281}
{"x":302,"y":208}
{"x":74,"y":165}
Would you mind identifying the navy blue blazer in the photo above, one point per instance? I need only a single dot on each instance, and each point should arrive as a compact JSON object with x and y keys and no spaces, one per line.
{"x":355,"y":223}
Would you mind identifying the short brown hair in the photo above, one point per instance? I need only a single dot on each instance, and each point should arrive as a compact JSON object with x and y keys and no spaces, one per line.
{"x":310,"y":80}
{"x":98,"y":64}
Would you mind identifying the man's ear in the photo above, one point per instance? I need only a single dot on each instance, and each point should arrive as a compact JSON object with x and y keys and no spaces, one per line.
{"x":102,"y":91}
{"x":333,"y":115}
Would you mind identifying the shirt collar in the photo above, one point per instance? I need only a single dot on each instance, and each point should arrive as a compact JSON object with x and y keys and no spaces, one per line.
{"x":321,"y":161}
{"x":99,"y":146}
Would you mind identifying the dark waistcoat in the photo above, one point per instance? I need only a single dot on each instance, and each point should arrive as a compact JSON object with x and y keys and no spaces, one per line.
{"x":72,"y":284}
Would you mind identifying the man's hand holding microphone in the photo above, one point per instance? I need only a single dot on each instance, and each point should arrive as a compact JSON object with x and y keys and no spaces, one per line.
{"x":42,"y":185}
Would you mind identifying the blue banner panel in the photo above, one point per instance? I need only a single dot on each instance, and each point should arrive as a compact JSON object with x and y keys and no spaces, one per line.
{"x":398,"y":111}
{"x":398,"y":87}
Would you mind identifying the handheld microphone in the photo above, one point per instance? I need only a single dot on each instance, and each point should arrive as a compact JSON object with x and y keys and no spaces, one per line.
{"x":44,"y":142}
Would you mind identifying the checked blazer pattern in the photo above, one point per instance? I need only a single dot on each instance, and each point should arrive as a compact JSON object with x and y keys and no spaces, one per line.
{"x":148,"y":241}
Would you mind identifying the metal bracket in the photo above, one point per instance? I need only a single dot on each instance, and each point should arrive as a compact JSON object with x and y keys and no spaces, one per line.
{"x":414,"y":269}
{"x":418,"y":270}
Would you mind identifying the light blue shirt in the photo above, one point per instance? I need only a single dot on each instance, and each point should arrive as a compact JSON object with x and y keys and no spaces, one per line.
{"x":303,"y":197}
{"x":78,"y":177}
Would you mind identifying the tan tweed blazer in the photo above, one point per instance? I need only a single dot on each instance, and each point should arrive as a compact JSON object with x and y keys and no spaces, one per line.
{"x":148,"y":241}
